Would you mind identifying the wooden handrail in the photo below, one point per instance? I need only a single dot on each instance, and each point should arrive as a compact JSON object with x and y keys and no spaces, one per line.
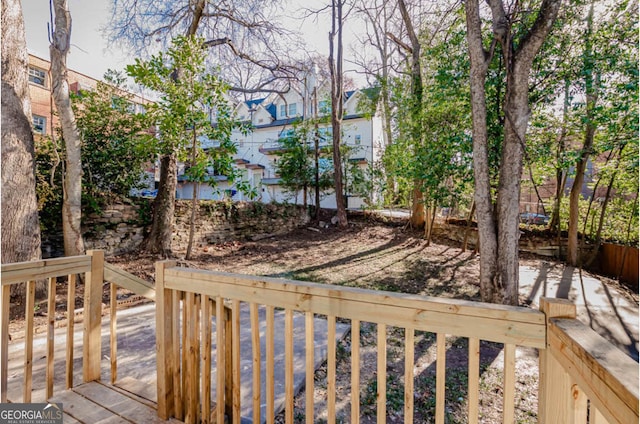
{"x":607,"y":376}
{"x":498,"y":323}
{"x":128,"y":281}
{"x":582,"y":374}
{"x":38,"y":270}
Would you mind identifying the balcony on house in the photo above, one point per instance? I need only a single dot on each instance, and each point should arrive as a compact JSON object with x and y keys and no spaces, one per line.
{"x":202,"y":348}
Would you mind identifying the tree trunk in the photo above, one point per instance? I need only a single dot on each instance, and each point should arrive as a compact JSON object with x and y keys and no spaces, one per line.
{"x":499,"y":265}
{"x":583,"y":159}
{"x":487,"y":235}
{"x":517,"y":113}
{"x":20,"y":224}
{"x":159,"y":240}
{"x":335,"y":68}
{"x":560,"y":171}
{"x":72,"y":185}
{"x":194,"y":198}
{"x":468,"y":230}
{"x":418,"y":218}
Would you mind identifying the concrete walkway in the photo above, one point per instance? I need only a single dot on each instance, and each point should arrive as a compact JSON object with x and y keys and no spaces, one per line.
{"x":609,"y":313}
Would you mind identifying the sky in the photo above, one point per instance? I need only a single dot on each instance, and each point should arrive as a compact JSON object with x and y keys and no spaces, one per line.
{"x":90,"y":55}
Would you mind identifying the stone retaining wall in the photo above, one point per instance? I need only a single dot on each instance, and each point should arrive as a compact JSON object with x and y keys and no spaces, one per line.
{"x":221,"y":221}
{"x":121,"y":227}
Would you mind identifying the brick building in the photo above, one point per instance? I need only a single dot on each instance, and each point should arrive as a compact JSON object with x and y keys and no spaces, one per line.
{"x":42,"y":106}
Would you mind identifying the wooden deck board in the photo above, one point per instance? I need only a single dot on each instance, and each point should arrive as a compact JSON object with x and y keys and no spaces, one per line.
{"x":95,"y":402}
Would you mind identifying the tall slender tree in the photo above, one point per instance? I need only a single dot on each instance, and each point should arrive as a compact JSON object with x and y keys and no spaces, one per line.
{"x":72,"y":184}
{"x":519,"y":45}
{"x":591,"y":77}
{"x":337,"y":103}
{"x":20,"y":226}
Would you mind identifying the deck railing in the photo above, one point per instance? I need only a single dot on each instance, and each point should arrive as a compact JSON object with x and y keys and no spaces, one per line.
{"x":91,"y":267}
{"x":583,"y":378}
{"x":94,"y":272}
{"x":577,"y":383}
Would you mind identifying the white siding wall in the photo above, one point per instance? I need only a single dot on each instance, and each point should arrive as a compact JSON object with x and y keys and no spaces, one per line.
{"x":368,"y":132}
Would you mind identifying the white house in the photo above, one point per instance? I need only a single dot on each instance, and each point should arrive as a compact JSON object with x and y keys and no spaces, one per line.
{"x":271,"y":117}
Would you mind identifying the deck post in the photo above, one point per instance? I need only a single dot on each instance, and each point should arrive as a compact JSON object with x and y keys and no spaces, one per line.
{"x":556,"y":390}
{"x":166,"y":364}
{"x":92,"y":320}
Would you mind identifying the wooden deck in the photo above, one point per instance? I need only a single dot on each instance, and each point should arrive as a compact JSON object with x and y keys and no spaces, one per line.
{"x":95,"y":402}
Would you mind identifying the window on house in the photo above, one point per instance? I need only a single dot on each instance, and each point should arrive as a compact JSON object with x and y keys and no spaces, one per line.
{"x":283,"y":110}
{"x":324,"y":107}
{"x":286,"y":133}
{"x":326,"y":135}
{"x":39,"y":124}
{"x":293,"y":109}
{"x":37,"y":76}
{"x":358,"y":138}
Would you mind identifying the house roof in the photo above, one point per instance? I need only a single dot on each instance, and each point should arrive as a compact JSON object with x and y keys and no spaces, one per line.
{"x":255,"y":102}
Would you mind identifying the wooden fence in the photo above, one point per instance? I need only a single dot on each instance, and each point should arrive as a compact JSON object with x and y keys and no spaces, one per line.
{"x":619,"y":261}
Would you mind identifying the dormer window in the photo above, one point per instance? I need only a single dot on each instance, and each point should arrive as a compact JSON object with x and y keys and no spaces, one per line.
{"x":293,"y":109}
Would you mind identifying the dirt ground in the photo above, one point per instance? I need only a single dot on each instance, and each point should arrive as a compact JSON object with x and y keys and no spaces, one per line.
{"x":389,"y":258}
{"x":379,"y":257}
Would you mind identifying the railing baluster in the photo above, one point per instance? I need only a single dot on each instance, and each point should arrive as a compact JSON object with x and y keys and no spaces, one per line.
{"x":220,"y":359}
{"x":441,"y":354}
{"x":288,"y":367}
{"x":409,"y":350}
{"x":71,"y":310}
{"x":235,"y":339}
{"x":206,"y":359}
{"x":309,"y":366}
{"x":184,"y":355}
{"x":474,"y":379}
{"x":255,"y":349}
{"x":382,"y":375}
{"x":28,"y":343}
{"x":331,"y":369}
{"x":270,"y":364}
{"x":228,"y":364}
{"x":197,"y":308}
{"x":355,"y":371}
{"x":178,"y":371}
{"x":580,"y":405}
{"x":193,"y":359}
{"x":51,"y":321}
{"x":113,"y":337}
{"x":509,"y":384}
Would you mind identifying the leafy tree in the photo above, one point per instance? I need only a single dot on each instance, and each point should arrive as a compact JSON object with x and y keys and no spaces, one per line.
{"x":117,"y":142}
{"x":296,"y":163}
{"x":189,"y":96}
